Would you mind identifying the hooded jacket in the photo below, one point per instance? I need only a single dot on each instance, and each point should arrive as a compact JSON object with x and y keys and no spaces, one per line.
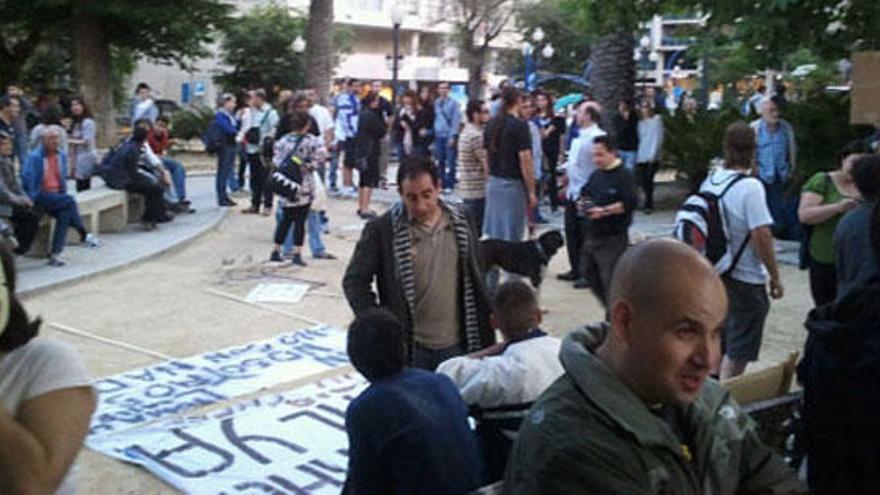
{"x":589,"y":434}
{"x":840,"y":372}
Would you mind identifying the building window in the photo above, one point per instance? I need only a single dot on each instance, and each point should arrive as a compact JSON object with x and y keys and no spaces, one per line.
{"x":370,"y":5}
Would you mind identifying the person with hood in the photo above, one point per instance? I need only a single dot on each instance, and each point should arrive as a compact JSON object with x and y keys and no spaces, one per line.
{"x":43,"y":179}
{"x":131,"y":170}
{"x":635,"y":411}
{"x":841,"y":367}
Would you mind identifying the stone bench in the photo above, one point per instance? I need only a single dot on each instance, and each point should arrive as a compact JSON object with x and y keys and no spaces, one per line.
{"x":102,"y":210}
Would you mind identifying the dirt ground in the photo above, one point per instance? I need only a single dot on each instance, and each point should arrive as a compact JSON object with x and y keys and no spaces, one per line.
{"x":162,"y":305}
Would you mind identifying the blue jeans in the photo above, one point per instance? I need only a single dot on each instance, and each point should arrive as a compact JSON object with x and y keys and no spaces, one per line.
{"x":178,"y":177}
{"x":334,"y":166}
{"x":445,"y":157}
{"x":21,"y":148}
{"x":476,"y":208}
{"x":225,"y":178}
{"x":314,"y":226}
{"x":63,"y":208}
{"x":628,"y":158}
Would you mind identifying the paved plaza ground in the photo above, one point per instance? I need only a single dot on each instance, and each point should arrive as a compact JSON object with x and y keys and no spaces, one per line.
{"x":161,"y":304}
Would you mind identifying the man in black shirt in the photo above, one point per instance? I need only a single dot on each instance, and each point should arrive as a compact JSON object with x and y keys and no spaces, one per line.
{"x":386,"y":114}
{"x":607,"y":201}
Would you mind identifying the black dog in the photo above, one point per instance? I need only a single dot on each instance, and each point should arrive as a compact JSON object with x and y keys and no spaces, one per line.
{"x":526,"y":258}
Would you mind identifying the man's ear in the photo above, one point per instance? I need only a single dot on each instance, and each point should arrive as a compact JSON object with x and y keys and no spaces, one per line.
{"x":621,"y":317}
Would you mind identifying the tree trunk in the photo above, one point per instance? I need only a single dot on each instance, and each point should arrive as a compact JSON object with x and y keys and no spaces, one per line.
{"x":476,"y":60}
{"x":614,"y":73}
{"x":92,"y":57}
{"x":319,"y":47}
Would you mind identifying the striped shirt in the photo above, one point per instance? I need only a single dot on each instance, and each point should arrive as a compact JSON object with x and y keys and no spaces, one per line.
{"x":471,"y":156}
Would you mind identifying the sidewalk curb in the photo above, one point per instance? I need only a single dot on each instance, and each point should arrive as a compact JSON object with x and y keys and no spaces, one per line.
{"x":173,"y":248}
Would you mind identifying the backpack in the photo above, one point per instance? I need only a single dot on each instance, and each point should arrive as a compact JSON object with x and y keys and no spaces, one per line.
{"x":701,"y":223}
{"x":105,"y":166}
{"x":213,"y":138}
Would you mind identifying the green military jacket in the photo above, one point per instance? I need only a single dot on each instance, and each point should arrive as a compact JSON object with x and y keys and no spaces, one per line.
{"x":589,"y":434}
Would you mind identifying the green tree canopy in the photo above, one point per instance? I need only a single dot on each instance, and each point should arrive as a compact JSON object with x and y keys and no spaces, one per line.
{"x":258,"y":48}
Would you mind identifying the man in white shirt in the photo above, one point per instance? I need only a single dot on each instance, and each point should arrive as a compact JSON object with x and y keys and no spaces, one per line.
{"x":748,"y":230}
{"x":503,"y":380}
{"x":579,"y":168}
{"x":258,"y":124}
{"x":347,"y":106}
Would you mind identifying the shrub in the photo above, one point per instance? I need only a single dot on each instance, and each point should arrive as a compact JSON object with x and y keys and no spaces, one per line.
{"x":192,"y":122}
{"x":821,"y":126}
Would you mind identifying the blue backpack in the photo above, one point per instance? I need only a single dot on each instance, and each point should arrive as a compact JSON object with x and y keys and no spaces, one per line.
{"x":213,"y":138}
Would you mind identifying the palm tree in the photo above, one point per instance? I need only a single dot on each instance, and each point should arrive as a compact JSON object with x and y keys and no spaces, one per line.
{"x":614,"y":73}
{"x":319,"y":47}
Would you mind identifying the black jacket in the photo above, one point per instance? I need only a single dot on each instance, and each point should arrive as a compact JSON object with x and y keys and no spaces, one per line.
{"x":606,"y":187}
{"x":378,"y":257}
{"x":840,"y":373}
{"x":371,"y":130}
{"x":123,"y":165}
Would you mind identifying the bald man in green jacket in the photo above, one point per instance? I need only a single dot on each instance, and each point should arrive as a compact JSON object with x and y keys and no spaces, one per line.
{"x":635,"y":413}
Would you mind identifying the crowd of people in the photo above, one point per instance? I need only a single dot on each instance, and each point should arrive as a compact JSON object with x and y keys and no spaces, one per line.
{"x":637,"y":388}
{"x":58,"y":142}
{"x":632,"y":404}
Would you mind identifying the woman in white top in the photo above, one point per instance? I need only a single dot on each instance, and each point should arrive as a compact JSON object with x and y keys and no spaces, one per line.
{"x":46,"y":399}
{"x":648,"y":155}
{"x":82,"y":155}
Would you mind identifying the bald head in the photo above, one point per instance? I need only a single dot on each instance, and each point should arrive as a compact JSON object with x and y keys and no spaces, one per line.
{"x":647,"y":271}
{"x":667,"y":308}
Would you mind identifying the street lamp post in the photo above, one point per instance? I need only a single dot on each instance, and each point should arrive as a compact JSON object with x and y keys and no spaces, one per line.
{"x":646,"y":50}
{"x":396,"y":21}
{"x":529,"y":53}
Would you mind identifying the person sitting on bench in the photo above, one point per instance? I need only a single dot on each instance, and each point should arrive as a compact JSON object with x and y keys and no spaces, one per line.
{"x":43,"y":179}
{"x":500,"y":382}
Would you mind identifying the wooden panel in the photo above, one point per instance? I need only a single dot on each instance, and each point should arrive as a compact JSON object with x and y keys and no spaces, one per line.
{"x":865,"y":106}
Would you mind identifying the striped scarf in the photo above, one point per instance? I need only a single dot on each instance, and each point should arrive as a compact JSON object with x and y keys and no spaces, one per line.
{"x":400,"y":224}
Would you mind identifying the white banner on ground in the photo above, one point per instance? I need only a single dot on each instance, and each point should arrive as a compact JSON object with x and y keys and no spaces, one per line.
{"x":173,"y":387}
{"x":277,"y":293}
{"x":293,"y":443}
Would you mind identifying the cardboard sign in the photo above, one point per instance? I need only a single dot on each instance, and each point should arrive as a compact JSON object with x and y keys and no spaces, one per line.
{"x":865,"y":103}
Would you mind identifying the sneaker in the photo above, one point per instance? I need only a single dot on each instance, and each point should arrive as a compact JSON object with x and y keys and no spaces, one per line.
{"x":276,"y":257}
{"x":324,"y":256}
{"x":367,"y":215}
{"x":184,"y":206}
{"x":92,"y":240}
{"x":227,"y":203}
{"x":568,"y":276}
{"x":298,"y":261}
{"x":581,"y":283}
{"x":56,"y":260}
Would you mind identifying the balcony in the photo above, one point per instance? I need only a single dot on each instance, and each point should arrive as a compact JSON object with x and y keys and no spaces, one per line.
{"x":684,"y":18}
{"x":675,"y":43}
